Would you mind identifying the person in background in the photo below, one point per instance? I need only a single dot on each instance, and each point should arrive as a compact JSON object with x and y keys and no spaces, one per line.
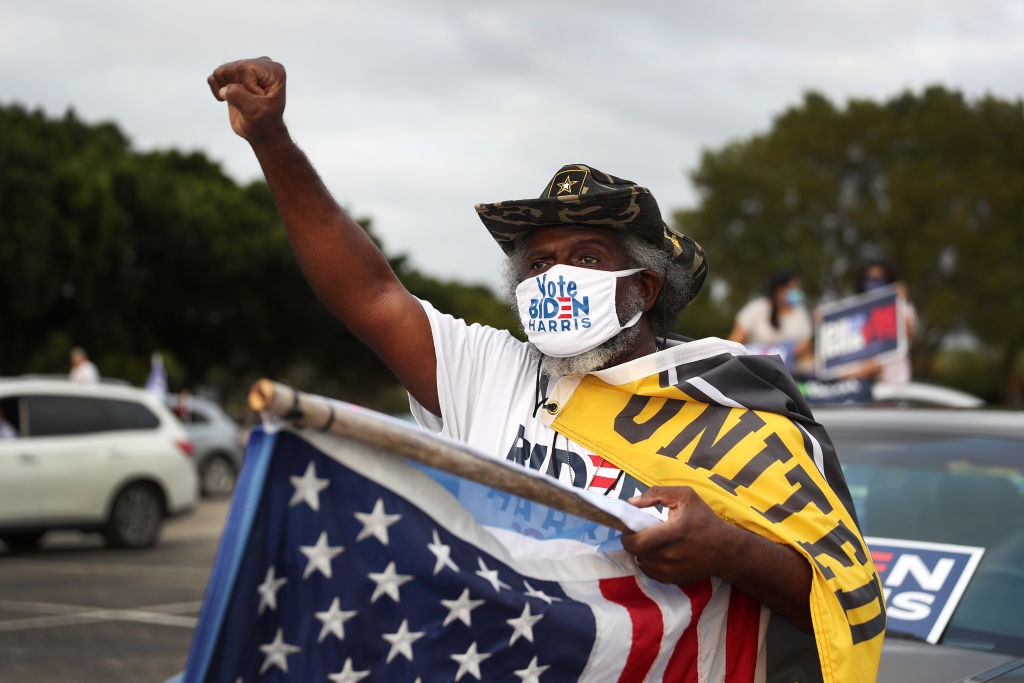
{"x":157,"y":380}
{"x":82,"y":369}
{"x":7,"y":431}
{"x":183,"y":406}
{"x":778,"y":322}
{"x":875,"y":275}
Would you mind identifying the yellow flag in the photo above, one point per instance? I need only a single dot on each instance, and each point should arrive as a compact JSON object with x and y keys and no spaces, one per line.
{"x":767,"y":470}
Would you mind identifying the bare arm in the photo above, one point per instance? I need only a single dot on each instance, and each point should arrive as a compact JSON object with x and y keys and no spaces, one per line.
{"x":695,"y":543}
{"x":345,"y":268}
{"x":738,"y":334}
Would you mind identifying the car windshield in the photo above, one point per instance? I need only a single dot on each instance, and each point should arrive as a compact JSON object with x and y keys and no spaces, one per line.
{"x":965,"y":490}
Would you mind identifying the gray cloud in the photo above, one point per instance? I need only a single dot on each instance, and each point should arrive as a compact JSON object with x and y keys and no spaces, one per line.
{"x":415,"y":111}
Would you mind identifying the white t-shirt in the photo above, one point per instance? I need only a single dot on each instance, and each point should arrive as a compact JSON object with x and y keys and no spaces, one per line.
{"x":489,"y":388}
{"x":755,"y":317}
{"x":84,"y":372}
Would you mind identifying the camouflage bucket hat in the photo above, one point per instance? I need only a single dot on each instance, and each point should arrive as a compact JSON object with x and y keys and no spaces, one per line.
{"x":581,"y":195}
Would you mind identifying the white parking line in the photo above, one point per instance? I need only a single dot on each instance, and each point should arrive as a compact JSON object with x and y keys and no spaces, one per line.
{"x":70,"y":615}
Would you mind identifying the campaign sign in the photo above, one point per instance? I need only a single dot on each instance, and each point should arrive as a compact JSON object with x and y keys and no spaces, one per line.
{"x":785,"y":350}
{"x":836,"y":392}
{"x":922,"y":582}
{"x":857,"y":328}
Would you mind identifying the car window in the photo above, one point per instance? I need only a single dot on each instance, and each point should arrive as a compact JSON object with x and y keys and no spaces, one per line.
{"x":10,"y":418}
{"x":963,"y":490}
{"x":130,"y":415}
{"x":52,"y":415}
{"x":966,"y":490}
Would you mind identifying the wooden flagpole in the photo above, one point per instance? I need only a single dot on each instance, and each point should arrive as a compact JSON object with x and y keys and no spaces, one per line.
{"x":342,"y":419}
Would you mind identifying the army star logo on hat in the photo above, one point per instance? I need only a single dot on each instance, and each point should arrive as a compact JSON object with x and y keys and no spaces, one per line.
{"x":567,"y":183}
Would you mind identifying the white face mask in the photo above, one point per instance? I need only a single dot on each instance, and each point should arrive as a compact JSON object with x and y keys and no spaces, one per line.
{"x":567,"y":310}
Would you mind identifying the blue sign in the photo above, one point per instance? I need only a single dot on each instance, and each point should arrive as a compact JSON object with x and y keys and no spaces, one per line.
{"x":858,"y":328}
{"x":836,"y":392}
{"x":785,"y":350}
{"x":922,"y":582}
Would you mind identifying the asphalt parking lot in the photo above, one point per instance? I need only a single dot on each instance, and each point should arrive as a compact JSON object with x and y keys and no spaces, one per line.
{"x":75,"y":611}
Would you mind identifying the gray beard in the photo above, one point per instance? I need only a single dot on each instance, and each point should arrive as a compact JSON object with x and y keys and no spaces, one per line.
{"x":594,"y":359}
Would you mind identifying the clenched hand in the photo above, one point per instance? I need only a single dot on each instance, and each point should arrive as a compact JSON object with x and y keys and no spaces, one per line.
{"x":255,"y":92}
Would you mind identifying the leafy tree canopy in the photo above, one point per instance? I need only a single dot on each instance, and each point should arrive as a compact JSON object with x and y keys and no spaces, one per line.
{"x":930,"y":181}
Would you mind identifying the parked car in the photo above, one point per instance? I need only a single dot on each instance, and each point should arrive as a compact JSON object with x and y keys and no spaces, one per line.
{"x":953,"y":477}
{"x":95,"y":457}
{"x":216,"y":440}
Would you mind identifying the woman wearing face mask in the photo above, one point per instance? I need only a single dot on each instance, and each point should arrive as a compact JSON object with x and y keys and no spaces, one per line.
{"x":875,"y":275}
{"x":778,"y":322}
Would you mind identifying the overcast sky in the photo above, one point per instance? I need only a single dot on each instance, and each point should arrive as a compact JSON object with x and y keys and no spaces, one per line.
{"x":415,"y":110}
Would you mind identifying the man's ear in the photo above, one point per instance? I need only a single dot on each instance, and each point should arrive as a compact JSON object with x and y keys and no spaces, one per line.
{"x":650,"y":287}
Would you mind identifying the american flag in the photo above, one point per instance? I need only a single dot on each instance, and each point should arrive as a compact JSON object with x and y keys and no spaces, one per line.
{"x":339,"y":563}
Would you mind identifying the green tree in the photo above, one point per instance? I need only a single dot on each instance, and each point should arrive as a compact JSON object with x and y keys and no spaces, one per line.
{"x":930,"y":181}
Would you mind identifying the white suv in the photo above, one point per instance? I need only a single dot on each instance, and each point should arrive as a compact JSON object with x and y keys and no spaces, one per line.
{"x":95,"y":457}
